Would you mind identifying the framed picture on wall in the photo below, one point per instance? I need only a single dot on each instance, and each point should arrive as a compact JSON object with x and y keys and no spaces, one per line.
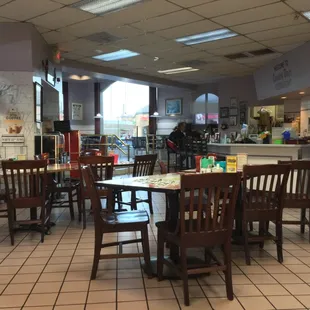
{"x":77,"y":111}
{"x":38,"y":102}
{"x":174,"y":106}
{"x":233,"y":102}
{"x":224,"y":112}
{"x":233,"y":112}
{"x":233,"y":120}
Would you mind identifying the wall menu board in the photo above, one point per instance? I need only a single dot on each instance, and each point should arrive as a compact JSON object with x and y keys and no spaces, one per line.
{"x":242,"y":160}
{"x":243,"y":112}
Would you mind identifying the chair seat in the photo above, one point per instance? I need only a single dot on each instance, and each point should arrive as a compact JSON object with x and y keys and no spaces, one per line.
{"x":130,"y":217}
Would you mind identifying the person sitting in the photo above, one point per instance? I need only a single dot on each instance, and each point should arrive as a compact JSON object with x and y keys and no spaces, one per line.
{"x":177,"y":135}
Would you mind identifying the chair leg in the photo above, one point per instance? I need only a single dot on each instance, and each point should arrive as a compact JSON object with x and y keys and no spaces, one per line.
{"x":84,"y":213}
{"x":150,"y":202}
{"x":160,"y":255}
{"x":79,"y":202}
{"x":251,"y":226}
{"x":279,"y":234}
{"x":302,"y":220}
{"x":246,"y":243}
{"x":11,"y":224}
{"x":133,"y":201}
{"x":97,"y":250}
{"x":43,"y":216}
{"x":227,"y":272}
{"x":184,"y":276}
{"x":146,"y":252}
{"x":261,"y":233}
{"x":71,"y":205}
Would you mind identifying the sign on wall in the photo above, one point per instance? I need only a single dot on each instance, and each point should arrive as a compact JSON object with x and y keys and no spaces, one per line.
{"x":77,"y":111}
{"x":288,"y":73}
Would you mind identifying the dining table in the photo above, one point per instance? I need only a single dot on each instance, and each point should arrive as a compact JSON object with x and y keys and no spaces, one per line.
{"x":169,"y":184}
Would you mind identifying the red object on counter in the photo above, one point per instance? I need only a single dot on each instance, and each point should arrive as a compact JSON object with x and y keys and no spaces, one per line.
{"x":198,"y":158}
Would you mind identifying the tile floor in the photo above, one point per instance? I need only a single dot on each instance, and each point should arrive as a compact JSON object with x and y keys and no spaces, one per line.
{"x":55,"y":274}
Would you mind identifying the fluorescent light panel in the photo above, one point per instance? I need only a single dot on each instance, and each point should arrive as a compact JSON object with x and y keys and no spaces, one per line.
{"x":306,"y":14}
{"x":178,"y":70}
{"x":101,"y":7}
{"x":215,"y":35}
{"x":121,"y":54}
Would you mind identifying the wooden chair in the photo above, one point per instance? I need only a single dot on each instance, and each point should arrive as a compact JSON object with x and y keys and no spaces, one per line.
{"x":25,"y":186}
{"x":66,"y":186}
{"x":102,"y":169}
{"x":3,"y":206}
{"x":298,"y":192}
{"x":132,"y":221}
{"x":263,"y":197}
{"x":211,"y":227}
{"x":143,"y":166}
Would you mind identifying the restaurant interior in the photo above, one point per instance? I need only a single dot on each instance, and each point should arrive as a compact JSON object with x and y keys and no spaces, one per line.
{"x":155,"y":154}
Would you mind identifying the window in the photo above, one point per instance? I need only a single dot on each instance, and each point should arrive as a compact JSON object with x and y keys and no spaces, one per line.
{"x":125,"y":108}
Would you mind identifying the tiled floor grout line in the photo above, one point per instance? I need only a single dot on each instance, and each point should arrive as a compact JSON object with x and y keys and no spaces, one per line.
{"x":77,"y":244}
{"x":36,"y":282}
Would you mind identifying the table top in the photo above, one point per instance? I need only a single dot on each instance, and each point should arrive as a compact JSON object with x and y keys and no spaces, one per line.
{"x":56,"y":168}
{"x":158,"y":183}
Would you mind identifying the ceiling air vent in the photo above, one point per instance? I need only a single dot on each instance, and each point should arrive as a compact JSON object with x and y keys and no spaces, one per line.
{"x":102,"y":37}
{"x":194,"y":63}
{"x":262,"y":52}
{"x":237,"y":56}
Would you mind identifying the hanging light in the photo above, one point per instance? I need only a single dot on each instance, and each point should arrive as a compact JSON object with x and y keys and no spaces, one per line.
{"x":98,"y":115}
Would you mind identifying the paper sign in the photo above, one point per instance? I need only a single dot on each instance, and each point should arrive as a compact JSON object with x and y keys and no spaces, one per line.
{"x":231,"y":164}
{"x":242,"y":160}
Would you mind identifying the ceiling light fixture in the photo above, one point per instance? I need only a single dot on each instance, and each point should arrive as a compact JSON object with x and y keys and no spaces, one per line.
{"x":199,"y":38}
{"x":79,"y":77}
{"x":283,"y":97}
{"x":121,"y":54}
{"x":178,"y":70}
{"x":98,"y":115}
{"x":302,"y":93}
{"x":156,"y":58}
{"x":101,"y":7}
{"x":306,"y":14}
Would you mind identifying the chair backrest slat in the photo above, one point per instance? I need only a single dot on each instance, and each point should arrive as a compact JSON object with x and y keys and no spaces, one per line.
{"x":263,"y":186}
{"x":214,"y":211}
{"x":26,"y":182}
{"x":101,"y":166}
{"x":299,"y":179}
{"x":144,"y":165}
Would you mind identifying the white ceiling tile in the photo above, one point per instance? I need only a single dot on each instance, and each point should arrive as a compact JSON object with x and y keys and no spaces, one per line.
{"x":146,"y":39}
{"x":190,"y":3}
{"x":271,"y":23}
{"x":6,"y":20}
{"x":299,"y":5}
{"x":88,"y":27}
{"x":71,"y":56}
{"x":300,"y":38}
{"x":188,"y":29}
{"x":280,"y":32}
{"x":198,"y":55}
{"x":61,"y":18}
{"x":259,"y":59}
{"x":140,"y":12}
{"x":66,"y":2}
{"x":238,"y":49}
{"x":78,"y":44}
{"x":42,"y":29}
{"x":125,"y":32}
{"x":223,"y":43}
{"x":221,"y":7}
{"x":167,"y":21}
{"x":287,"y":48}
{"x":267,"y":11}
{"x":158,"y":47}
{"x":2,"y":2}
{"x":54,"y":37}
{"x":25,"y":9}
